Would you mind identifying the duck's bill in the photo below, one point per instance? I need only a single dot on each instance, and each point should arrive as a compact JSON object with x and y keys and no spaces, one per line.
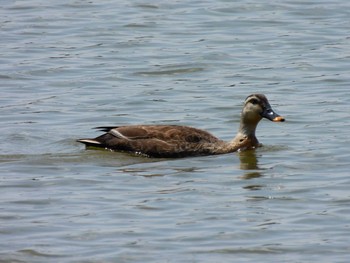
{"x":272,"y":116}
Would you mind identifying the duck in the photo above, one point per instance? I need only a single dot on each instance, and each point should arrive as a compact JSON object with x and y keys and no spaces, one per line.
{"x":176,"y":141}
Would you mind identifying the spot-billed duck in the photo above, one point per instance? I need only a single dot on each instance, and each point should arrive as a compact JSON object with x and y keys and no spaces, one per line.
{"x":172,"y":141}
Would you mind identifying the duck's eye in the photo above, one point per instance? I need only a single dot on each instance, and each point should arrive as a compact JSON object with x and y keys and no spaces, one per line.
{"x":254,"y":101}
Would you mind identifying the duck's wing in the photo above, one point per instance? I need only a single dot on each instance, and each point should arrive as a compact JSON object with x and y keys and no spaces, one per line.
{"x":168,"y":133}
{"x":154,"y":140}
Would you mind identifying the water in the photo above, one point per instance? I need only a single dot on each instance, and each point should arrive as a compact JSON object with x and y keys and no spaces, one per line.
{"x":68,"y":66}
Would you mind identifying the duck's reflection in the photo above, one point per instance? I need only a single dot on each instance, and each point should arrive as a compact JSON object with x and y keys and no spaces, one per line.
{"x":249,"y":162}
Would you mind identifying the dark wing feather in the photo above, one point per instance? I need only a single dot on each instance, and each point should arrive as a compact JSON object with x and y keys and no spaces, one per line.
{"x":105,"y":128}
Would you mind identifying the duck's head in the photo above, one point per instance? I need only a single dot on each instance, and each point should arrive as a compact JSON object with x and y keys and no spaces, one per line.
{"x":256,"y":107}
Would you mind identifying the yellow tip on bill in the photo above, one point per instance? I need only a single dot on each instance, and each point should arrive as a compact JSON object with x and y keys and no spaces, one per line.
{"x":279,"y":119}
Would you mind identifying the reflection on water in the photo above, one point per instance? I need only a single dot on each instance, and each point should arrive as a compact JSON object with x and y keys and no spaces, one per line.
{"x":249,"y":162}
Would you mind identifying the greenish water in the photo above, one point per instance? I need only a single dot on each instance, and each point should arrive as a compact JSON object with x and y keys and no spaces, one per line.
{"x":69,"y":66}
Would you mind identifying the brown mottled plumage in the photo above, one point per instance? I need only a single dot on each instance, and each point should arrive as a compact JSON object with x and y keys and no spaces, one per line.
{"x":171,"y":141}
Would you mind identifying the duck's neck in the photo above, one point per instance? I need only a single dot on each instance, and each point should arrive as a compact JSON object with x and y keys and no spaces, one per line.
{"x":245,"y":137}
{"x":247,"y":128}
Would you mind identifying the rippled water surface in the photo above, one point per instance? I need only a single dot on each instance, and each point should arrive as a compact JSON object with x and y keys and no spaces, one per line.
{"x":68,"y":66}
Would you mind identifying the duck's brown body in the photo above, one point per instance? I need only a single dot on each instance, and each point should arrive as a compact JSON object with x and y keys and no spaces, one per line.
{"x":161,"y":141}
{"x":172,"y":141}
